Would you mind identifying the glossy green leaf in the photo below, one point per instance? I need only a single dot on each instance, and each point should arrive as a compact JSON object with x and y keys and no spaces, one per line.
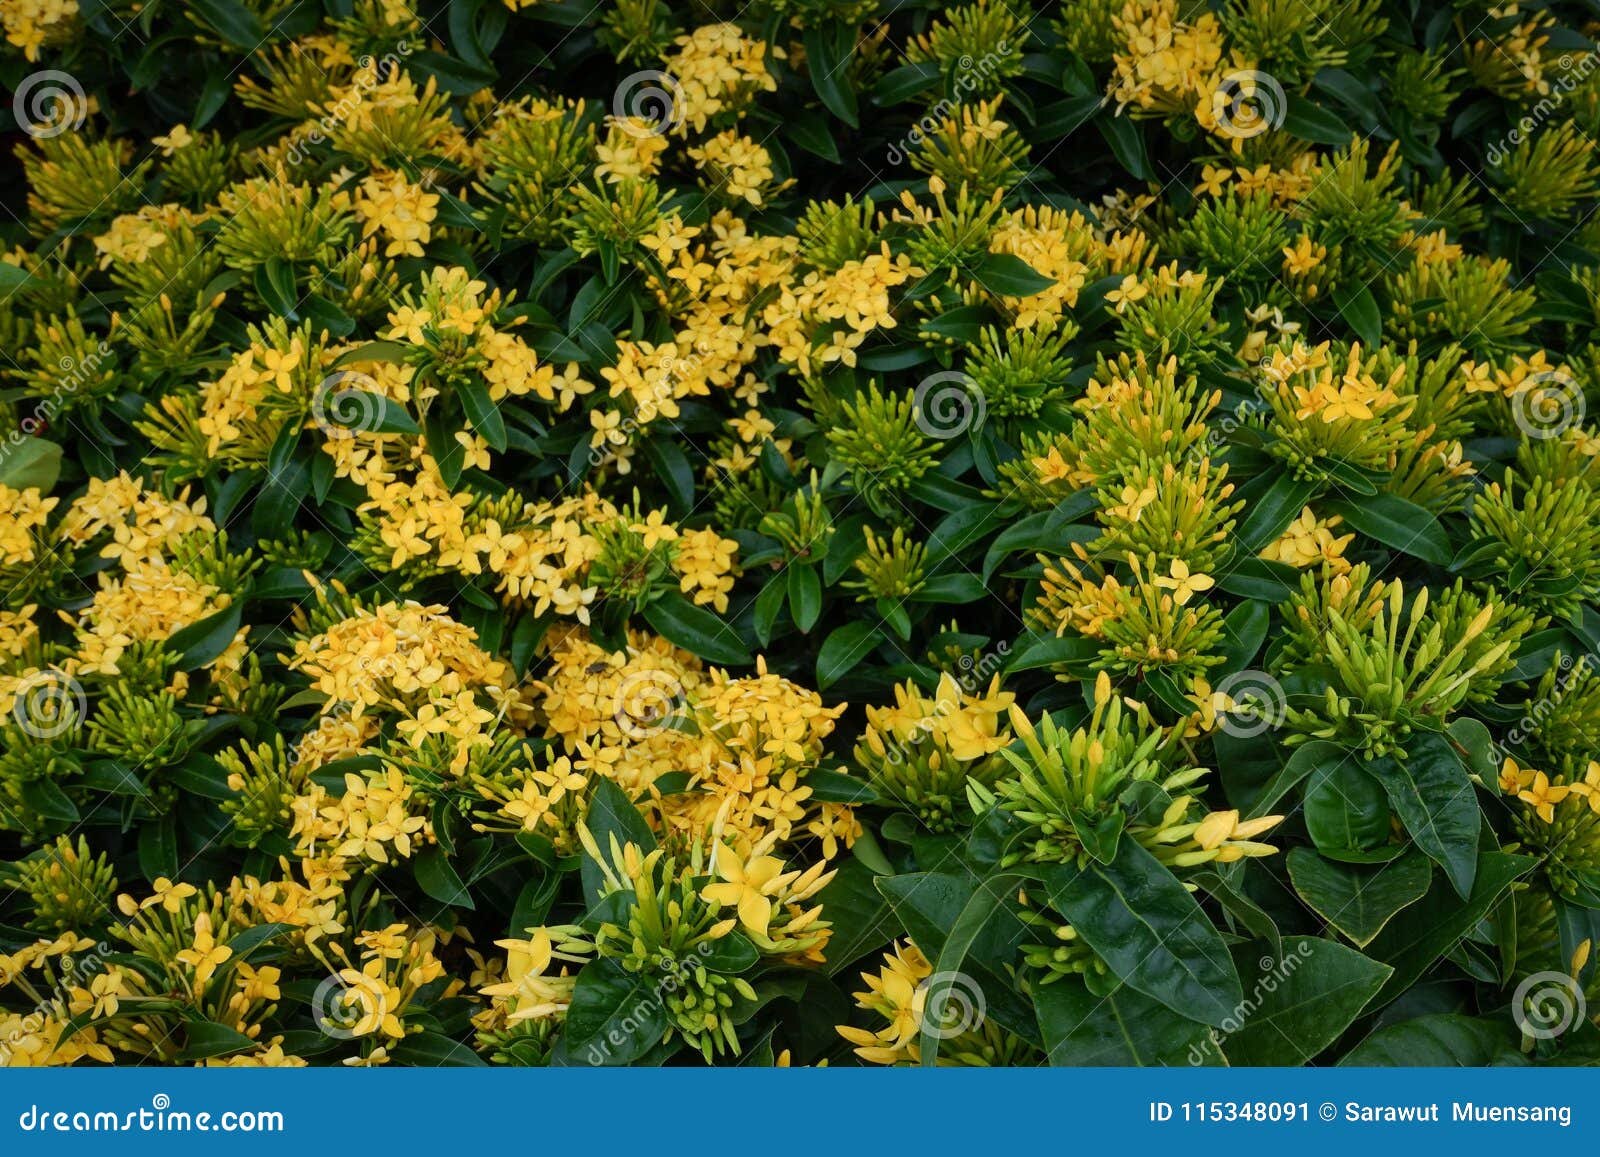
{"x":1359,"y":899}
{"x":1149,"y":931}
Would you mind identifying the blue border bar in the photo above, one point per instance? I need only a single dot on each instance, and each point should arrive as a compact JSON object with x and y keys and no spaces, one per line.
{"x":700,"y":1111}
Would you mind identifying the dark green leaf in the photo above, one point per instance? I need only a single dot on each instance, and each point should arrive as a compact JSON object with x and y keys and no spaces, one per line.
{"x":1307,"y":996}
{"x":1359,"y":899}
{"x":1433,"y":797}
{"x":696,"y":630}
{"x":1142,"y":922}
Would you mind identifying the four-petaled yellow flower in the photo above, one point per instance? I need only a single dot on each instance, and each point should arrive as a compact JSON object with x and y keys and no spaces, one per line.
{"x":748,"y":886}
{"x":207,"y":955}
{"x":1183,"y":585}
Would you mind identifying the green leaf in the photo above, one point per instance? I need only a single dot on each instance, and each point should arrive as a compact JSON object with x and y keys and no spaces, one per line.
{"x":250,"y":939}
{"x":201,"y":643}
{"x":611,"y":813}
{"x":44,"y":797}
{"x":1438,"y":1040}
{"x":837,"y":787}
{"x":434,"y":1050}
{"x":12,"y":278}
{"x":158,"y":848}
{"x":901,"y":84}
{"x":201,"y":775}
{"x":1010,"y":276}
{"x":437,"y":877}
{"x":275,"y":285}
{"x":353,"y":409}
{"x":1346,"y":809}
{"x":1125,"y":1028}
{"x":828,"y":65}
{"x":1148,"y":929}
{"x":1360,"y":312}
{"x":805,"y":596}
{"x":859,"y":914}
{"x":843,"y":649}
{"x":616,"y":1016}
{"x":1359,"y":899}
{"x":1250,"y":577}
{"x":1436,"y":923}
{"x":232,"y":20}
{"x":204,"y":1038}
{"x":482,"y":413}
{"x":964,"y":323}
{"x":1307,"y":996}
{"x":1246,"y":629}
{"x":1307,"y":758}
{"x":696,"y":629}
{"x":955,"y":1000}
{"x":30,"y":462}
{"x":1477,"y":748}
{"x":730,"y":954}
{"x":1311,"y":122}
{"x":976,"y":916}
{"x":1036,"y":652}
{"x":1433,"y":797}
{"x":1127,"y":144}
{"x":1397,"y":523}
{"x":1269,"y":513}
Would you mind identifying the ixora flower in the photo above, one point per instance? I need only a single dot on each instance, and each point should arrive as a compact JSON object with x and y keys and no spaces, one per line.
{"x":577,"y":574}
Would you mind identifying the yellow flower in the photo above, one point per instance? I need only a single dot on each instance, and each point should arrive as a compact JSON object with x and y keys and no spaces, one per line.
{"x":1542,"y":796}
{"x":1181,"y":583}
{"x":169,"y":895}
{"x":1127,"y":293}
{"x":178,"y":137}
{"x":1303,"y":256}
{"x":748,"y":886}
{"x":1514,"y":778}
{"x":206,"y":956}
